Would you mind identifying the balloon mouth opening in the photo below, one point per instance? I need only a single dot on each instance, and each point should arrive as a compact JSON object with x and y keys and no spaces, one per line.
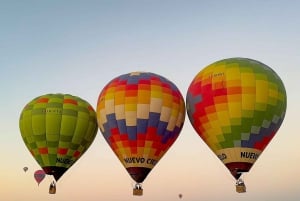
{"x":57,"y":172}
{"x":238,"y":168}
{"x":138,"y":174}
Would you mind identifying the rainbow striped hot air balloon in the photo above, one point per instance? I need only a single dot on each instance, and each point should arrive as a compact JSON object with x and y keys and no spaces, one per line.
{"x":140,"y":115}
{"x":236,"y":106}
{"x":57,"y":129}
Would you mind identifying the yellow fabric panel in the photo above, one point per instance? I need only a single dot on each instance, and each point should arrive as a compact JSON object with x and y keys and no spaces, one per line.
{"x":235,"y":109}
{"x":110,"y":93}
{"x":143,"y":97}
{"x":130,"y":107}
{"x":119,"y":97}
{"x":223,"y":117}
{"x":262,"y":90}
{"x":248,"y":102}
{"x":233,"y":74}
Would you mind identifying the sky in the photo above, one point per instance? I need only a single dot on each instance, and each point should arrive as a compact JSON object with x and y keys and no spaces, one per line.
{"x":77,"y":47}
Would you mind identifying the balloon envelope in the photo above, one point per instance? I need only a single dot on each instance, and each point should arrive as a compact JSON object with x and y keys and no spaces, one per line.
{"x":25,"y":169}
{"x":236,"y":106}
{"x":57,"y":129}
{"x":140,"y":115}
{"x":39,"y":176}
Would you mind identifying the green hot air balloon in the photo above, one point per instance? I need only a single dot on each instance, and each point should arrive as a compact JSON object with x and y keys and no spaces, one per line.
{"x":58,"y":129}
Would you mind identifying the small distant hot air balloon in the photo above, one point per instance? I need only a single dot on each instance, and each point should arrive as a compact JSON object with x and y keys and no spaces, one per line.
{"x":180,"y":195}
{"x":39,"y":176}
{"x":58,"y":129}
{"x":25,"y":169}
{"x":236,"y":106}
{"x":140,"y":115}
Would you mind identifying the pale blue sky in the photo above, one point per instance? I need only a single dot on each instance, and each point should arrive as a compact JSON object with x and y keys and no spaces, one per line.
{"x":77,"y":47}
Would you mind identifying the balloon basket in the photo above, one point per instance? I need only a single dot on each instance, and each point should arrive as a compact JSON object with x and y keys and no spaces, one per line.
{"x":138,"y":192}
{"x":52,"y":188}
{"x":240,"y":188}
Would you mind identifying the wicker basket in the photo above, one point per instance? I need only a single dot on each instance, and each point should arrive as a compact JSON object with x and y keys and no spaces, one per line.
{"x":138,"y":192}
{"x":52,"y":190}
{"x":240,"y":188}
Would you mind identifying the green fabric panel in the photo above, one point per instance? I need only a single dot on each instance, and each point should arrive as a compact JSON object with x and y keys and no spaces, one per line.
{"x":235,"y":133}
{"x":38,"y":124}
{"x":52,"y":158}
{"x":45,"y":159}
{"x":83,"y":127}
{"x":92,"y":128}
{"x":226,"y":129}
{"x":32,"y":145}
{"x":258,"y":118}
{"x":39,"y":159}
{"x":221,"y":137}
{"x":248,"y":114}
{"x":235,"y":121}
{"x":52,"y":150}
{"x":25,"y":124}
{"x":52,"y":144}
{"x":68,"y":125}
{"x":65,"y":138}
{"x":272,"y":101}
{"x":55,"y":104}
{"x":53,"y":123}
{"x":52,"y":138}
{"x":70,"y":112}
{"x":73,"y":146}
{"x":41,"y":144}
{"x":271,"y":110}
{"x":63,"y":144}
{"x":247,"y":123}
{"x":76,"y":140}
{"x":227,"y":142}
{"x":38,"y":138}
{"x":260,"y":106}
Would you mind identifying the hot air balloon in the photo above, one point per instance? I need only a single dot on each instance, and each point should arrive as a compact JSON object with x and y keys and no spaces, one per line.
{"x":140,"y":115}
{"x":58,"y":129}
{"x":180,"y":195}
{"x":236,"y":106}
{"x":39,"y":176}
{"x":25,"y":169}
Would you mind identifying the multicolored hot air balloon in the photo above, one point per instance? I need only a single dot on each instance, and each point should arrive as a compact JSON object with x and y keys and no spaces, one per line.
{"x":140,"y":115}
{"x":58,"y":129}
{"x":236,"y":106}
{"x":39,"y":176}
